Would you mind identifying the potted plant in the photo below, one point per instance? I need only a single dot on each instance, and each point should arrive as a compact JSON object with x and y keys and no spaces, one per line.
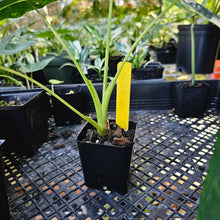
{"x":141,"y":68}
{"x":24,"y":120}
{"x":207,"y":37}
{"x":96,"y":41}
{"x":63,"y":116}
{"x":190,"y":98}
{"x":100,"y":125}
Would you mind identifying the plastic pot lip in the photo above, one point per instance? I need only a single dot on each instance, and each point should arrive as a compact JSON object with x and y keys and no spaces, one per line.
{"x":87,"y":124}
{"x":63,"y":90}
{"x":198,"y":27}
{"x":184,"y":84}
{"x":31,"y":99}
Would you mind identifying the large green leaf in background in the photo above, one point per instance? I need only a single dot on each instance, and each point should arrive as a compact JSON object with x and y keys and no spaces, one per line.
{"x":203,"y":11}
{"x":209,"y":206}
{"x":33,"y":67}
{"x":17,"y":8}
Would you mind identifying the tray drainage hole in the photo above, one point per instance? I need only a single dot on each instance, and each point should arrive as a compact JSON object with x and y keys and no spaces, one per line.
{"x":66,"y":212}
{"x":182,"y":212}
{"x":133,"y":212}
{"x":147,"y":211}
{"x":100,"y":212}
{"x":47,"y":211}
{"x":38,"y":217}
{"x":112,"y":211}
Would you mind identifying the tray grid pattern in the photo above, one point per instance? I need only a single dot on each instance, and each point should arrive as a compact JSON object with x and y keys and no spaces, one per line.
{"x":169,"y":165}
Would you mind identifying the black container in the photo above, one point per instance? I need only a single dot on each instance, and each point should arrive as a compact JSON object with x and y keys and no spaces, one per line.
{"x":113,"y":62}
{"x":25,"y":126}
{"x":104,"y":165}
{"x":190,"y":101}
{"x":206,"y":44}
{"x":63,"y":115}
{"x":67,"y":74}
{"x":4,"y":207}
{"x":153,"y":70}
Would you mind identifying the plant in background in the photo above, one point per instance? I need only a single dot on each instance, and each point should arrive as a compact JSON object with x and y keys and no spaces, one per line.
{"x":100,"y":107}
{"x":97,"y":40}
{"x":81,"y":55}
{"x":50,"y":44}
{"x":138,"y":57}
{"x":98,"y":66}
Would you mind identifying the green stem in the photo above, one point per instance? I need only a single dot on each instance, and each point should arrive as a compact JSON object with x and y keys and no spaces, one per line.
{"x":13,"y":79}
{"x":90,"y":86}
{"x":108,"y":91}
{"x":192,"y":54}
{"x":105,"y":80}
{"x":28,"y":84}
{"x":91,"y":121}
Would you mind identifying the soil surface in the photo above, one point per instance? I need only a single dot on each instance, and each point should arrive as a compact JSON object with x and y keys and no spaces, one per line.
{"x":10,"y":103}
{"x":116,"y":136}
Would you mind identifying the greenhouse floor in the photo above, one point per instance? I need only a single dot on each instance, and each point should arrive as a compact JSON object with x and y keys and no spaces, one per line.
{"x":169,"y":164}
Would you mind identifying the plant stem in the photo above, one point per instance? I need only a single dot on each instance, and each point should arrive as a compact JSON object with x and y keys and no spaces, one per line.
{"x":107,"y":49}
{"x":108,"y":91}
{"x":91,"y":121}
{"x":13,"y":79}
{"x":90,"y":86}
{"x":192,"y":55}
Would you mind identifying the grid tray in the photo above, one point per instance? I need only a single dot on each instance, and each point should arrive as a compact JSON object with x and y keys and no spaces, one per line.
{"x":169,"y":166}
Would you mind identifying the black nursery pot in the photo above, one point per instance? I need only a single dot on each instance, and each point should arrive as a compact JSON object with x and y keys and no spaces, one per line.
{"x":67,"y":74}
{"x":105,"y":165}
{"x":206,"y":44}
{"x":63,"y":116}
{"x":4,"y":206}
{"x":190,"y":101}
{"x":24,"y":127}
{"x":113,"y":63}
{"x":153,"y":70}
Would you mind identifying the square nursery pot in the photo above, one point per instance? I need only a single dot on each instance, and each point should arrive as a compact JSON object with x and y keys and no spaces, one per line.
{"x":153,"y":70}
{"x":190,"y":101}
{"x":63,"y":116}
{"x":4,"y":206}
{"x":24,"y":126}
{"x":105,"y":165}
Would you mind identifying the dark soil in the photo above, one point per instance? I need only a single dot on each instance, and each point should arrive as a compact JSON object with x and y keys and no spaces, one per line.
{"x":116,"y":136}
{"x":189,"y":85}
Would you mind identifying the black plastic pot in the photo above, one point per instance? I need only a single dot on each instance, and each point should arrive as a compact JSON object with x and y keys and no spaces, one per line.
{"x":190,"y":101}
{"x":165,"y":54}
{"x":67,"y":74}
{"x":4,"y":207}
{"x":206,"y":44}
{"x":113,"y":62}
{"x":63,"y":115}
{"x":104,"y":165}
{"x":153,"y":70}
{"x":25,"y":126}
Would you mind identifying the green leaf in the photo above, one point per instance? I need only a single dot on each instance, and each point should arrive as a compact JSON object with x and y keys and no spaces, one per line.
{"x":201,"y":10}
{"x":94,"y":32}
{"x":55,"y":81}
{"x":210,"y":197}
{"x":17,"y":8}
{"x":15,"y":43}
{"x":33,"y":67}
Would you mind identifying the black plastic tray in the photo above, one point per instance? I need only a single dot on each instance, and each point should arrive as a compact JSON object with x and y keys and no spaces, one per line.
{"x":24,"y":127}
{"x":4,"y":207}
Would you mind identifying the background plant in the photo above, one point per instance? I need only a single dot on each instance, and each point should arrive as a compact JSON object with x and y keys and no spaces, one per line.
{"x":101,"y":108}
